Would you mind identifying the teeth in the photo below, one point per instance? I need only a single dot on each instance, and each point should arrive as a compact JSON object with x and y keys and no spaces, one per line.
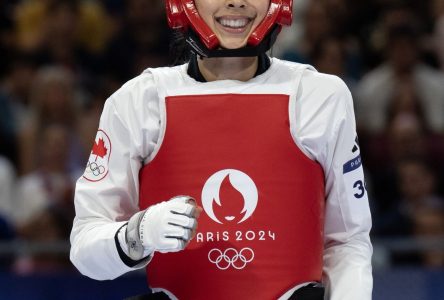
{"x":238,"y":23}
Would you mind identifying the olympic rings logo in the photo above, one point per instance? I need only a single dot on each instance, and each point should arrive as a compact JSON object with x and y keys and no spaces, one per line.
{"x":95,"y":169}
{"x":231,"y":258}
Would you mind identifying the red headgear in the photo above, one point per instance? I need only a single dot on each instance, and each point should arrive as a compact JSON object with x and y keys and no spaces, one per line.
{"x":182,"y":14}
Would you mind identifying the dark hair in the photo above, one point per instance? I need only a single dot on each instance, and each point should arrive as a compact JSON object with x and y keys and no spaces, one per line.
{"x":179,"y":50}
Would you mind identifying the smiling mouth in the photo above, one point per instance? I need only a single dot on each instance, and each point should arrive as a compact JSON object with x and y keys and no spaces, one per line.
{"x":234,"y":23}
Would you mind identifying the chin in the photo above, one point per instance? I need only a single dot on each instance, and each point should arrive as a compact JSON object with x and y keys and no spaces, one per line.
{"x":233,"y":44}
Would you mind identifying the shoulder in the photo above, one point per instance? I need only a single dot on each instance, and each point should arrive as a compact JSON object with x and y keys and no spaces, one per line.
{"x":323,"y":84}
{"x":311,"y":79}
{"x":325,"y":93}
{"x":130,"y":103}
{"x":142,"y":88}
{"x":289,"y":67}
{"x":133,"y":89}
{"x":323,"y":103}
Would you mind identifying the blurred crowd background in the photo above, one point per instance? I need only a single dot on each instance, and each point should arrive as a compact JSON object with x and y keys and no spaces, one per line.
{"x":61,"y":59}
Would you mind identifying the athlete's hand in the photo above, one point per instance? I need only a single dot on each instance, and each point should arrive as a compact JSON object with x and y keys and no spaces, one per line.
{"x":164,"y":227}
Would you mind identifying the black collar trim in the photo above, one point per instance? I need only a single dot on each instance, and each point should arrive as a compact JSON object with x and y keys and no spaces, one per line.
{"x":194,"y":72}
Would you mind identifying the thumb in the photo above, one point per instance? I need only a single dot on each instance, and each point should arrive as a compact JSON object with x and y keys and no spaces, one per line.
{"x":198,"y":211}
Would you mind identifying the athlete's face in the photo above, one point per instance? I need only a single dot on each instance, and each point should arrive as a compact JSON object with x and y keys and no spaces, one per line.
{"x":232,"y":20}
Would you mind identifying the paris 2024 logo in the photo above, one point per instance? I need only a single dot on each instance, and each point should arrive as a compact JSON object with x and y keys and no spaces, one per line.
{"x":214,"y":198}
{"x":240,"y":182}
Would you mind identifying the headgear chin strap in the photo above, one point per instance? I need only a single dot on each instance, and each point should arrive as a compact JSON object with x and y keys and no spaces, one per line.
{"x":183,"y":15}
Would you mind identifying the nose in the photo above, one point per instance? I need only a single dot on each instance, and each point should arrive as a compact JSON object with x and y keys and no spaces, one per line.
{"x":236,"y":4}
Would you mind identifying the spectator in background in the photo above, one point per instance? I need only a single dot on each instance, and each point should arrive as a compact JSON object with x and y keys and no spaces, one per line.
{"x":53,"y":101}
{"x":416,"y":183}
{"x":437,"y":11}
{"x":85,"y":21}
{"x":405,"y":139}
{"x":52,"y":183}
{"x":328,"y":48}
{"x":135,"y":48}
{"x":316,"y":27}
{"x":7,"y":181}
{"x":7,"y":127}
{"x":30,"y":25}
{"x":329,"y":56}
{"x":6,"y":33}
{"x":429,"y":223}
{"x":14,"y":98}
{"x":48,"y":226}
{"x":44,"y":209}
{"x":402,"y":67}
{"x":291,"y":35}
{"x":65,"y":32}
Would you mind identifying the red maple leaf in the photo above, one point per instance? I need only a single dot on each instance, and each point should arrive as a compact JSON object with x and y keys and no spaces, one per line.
{"x":99,"y":149}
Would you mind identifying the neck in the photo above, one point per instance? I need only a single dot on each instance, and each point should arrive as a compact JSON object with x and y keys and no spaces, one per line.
{"x":233,"y":68}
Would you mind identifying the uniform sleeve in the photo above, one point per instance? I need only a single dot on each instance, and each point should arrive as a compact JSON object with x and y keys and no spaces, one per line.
{"x":103,"y":204}
{"x":347,"y":246}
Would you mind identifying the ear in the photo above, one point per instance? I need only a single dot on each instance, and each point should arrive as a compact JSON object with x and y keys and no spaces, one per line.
{"x":280,"y":12}
{"x":181,"y":14}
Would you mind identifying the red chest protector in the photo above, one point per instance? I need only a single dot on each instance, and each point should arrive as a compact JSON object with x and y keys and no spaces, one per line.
{"x":261,"y":231}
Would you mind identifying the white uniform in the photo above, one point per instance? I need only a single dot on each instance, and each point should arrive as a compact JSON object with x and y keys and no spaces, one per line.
{"x":322,"y":125}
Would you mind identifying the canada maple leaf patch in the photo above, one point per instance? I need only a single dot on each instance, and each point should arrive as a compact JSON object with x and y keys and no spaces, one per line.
{"x":99,"y":149}
{"x":97,"y":166}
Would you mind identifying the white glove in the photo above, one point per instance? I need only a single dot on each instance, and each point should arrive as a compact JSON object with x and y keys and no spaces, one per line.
{"x":164,"y":227}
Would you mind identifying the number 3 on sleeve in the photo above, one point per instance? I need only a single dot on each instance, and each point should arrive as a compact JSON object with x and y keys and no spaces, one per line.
{"x":359,"y":188}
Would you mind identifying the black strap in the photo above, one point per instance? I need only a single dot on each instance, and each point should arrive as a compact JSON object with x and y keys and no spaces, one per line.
{"x":312,"y":291}
{"x":126,"y":260}
{"x":194,"y":72}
